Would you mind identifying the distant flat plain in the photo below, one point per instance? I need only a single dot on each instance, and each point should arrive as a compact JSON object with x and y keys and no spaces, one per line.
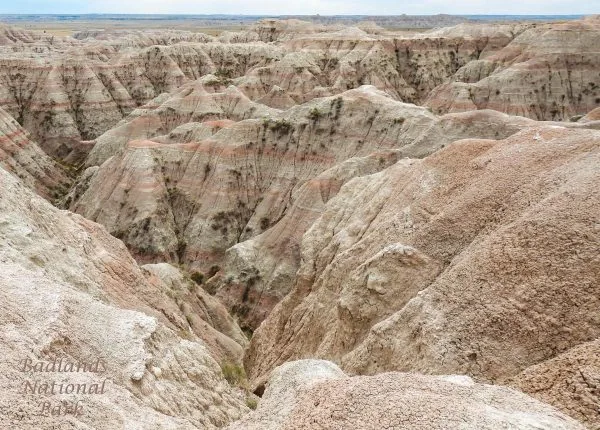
{"x":65,"y":25}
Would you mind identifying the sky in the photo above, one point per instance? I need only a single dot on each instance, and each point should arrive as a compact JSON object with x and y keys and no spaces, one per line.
{"x":304,"y":7}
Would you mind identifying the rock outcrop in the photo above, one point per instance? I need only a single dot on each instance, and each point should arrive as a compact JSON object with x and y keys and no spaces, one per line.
{"x":548,"y":72}
{"x":314,"y":394}
{"x":67,"y":91}
{"x":463,"y":262}
{"x":283,"y":183}
{"x":187,"y":177}
{"x":69,"y":290}
{"x":570,"y":382}
{"x":25,"y":159}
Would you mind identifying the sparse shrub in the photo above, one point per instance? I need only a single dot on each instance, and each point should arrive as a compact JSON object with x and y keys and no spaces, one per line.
{"x":234,"y":374}
{"x":212,"y":82}
{"x":214,"y":269}
{"x":224,"y":73}
{"x":264,"y":223}
{"x":314,"y":114}
{"x":281,"y":126}
{"x":119,"y":234}
{"x":337,"y":104}
{"x":251,"y":403}
{"x":197,"y":277}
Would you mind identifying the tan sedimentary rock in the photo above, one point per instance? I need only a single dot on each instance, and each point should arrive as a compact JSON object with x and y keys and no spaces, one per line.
{"x":593,"y":115}
{"x":315,"y":394}
{"x":322,"y":63}
{"x":548,"y":72}
{"x":213,"y":190}
{"x":570,"y":382}
{"x":141,"y":38}
{"x":210,"y":182}
{"x":69,"y":90}
{"x":206,"y":316}
{"x":73,"y":89}
{"x":12,"y":37}
{"x":68,"y":289}
{"x":206,"y":99}
{"x":259,"y":271}
{"x":24,"y":158}
{"x":288,"y":165}
{"x":479,"y":259}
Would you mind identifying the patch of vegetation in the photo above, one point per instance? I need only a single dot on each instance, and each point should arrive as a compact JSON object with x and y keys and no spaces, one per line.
{"x":181,"y":245}
{"x":337,"y":104}
{"x":145,"y":225}
{"x":218,"y":81}
{"x":224,"y":73}
{"x":214,"y":269}
{"x":197,"y":277}
{"x":207,"y":170}
{"x":264,"y":223}
{"x":250,"y":276}
{"x":314,"y":114}
{"x":222,"y":220}
{"x":248,"y":332}
{"x":234,"y":374}
{"x":281,"y":126}
{"x":251,"y":403}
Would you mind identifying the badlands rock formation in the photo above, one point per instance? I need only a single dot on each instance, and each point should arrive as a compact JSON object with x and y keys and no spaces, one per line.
{"x":68,"y":289}
{"x":314,"y":394}
{"x":66,"y":91}
{"x":546,"y":72}
{"x":210,"y":179}
{"x":568,"y":381}
{"x":463,"y":262}
{"x":392,"y":202}
{"x":24,"y":158}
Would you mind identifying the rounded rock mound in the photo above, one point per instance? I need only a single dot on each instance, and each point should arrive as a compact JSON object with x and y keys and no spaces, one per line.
{"x":315,"y":394}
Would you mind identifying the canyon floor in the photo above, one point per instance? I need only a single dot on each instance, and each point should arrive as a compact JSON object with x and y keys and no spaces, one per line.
{"x":301,"y":225}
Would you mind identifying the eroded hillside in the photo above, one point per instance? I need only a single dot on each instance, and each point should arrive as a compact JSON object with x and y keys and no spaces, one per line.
{"x":391,"y":202}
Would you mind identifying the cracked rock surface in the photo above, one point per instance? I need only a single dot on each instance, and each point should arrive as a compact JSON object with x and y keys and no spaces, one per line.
{"x":316,"y":394}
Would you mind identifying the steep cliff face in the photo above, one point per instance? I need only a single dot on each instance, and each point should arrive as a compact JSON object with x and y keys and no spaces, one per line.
{"x":68,"y":289}
{"x":463,"y":262}
{"x":75,"y":93}
{"x":549,"y":72}
{"x":24,"y":158}
{"x":215,"y":179}
{"x":283,"y":174}
{"x":68,"y":90}
{"x":321,"y":63}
